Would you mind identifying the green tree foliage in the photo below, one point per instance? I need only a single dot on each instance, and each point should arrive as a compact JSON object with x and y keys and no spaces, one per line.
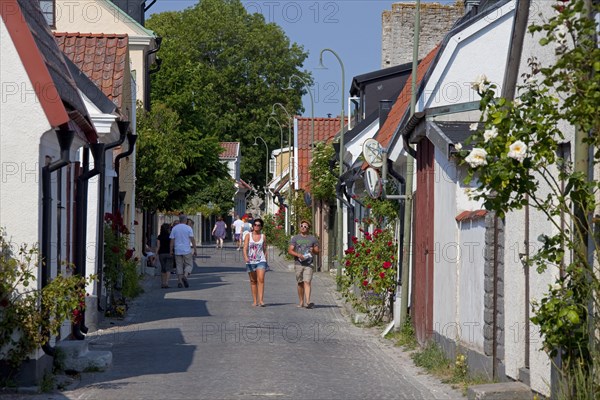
{"x":172,"y":163}
{"x":322,"y":177}
{"x":220,"y":194}
{"x":222,"y":71}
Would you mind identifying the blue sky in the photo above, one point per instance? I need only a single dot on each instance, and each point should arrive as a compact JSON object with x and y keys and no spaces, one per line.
{"x":352,"y":28}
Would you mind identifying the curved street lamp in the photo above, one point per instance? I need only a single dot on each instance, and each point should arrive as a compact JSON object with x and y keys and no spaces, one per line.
{"x":267,"y":162}
{"x":312,"y":134}
{"x":290,"y":164}
{"x":340,"y":213}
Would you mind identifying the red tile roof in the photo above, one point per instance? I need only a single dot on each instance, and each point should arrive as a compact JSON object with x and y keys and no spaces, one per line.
{"x":325,"y":130}
{"x":470,"y":215}
{"x":104,"y":58}
{"x":402,"y":104}
{"x":230,"y":149}
{"x":45,"y":67}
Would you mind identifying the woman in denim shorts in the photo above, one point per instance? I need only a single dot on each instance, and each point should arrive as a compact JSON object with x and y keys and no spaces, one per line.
{"x":255,"y":256}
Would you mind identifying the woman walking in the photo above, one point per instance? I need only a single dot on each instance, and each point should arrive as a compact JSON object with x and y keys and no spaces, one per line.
{"x":219,"y":231}
{"x":164,"y":254}
{"x":255,"y":255}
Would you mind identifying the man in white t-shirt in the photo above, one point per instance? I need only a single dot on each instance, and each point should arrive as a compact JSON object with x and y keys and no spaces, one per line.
{"x":238,"y":224}
{"x":181,"y":236}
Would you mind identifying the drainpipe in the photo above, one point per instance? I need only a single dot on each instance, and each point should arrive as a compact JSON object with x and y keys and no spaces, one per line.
{"x":65,"y":139}
{"x":81,"y":199}
{"x":131,"y":138}
{"x":123,"y":127}
{"x":149,"y":71}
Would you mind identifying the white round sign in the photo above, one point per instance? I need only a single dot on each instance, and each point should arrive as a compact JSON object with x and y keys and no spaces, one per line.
{"x":372,"y":152}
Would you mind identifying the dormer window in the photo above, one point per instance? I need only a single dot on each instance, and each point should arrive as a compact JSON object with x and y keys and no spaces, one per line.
{"x":49,"y":10}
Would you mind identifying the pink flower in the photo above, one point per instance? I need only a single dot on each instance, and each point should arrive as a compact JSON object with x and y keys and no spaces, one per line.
{"x":387,"y":265}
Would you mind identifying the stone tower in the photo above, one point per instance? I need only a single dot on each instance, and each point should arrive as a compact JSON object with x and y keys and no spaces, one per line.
{"x":398,"y":29}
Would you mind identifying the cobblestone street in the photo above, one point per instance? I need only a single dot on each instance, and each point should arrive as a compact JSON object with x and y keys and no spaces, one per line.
{"x":208,"y":342}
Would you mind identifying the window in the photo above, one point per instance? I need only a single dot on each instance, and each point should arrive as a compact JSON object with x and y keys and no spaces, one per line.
{"x":272,"y":164}
{"x":48,"y":9}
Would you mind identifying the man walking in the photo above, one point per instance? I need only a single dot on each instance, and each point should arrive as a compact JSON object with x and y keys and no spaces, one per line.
{"x":181,"y":236}
{"x":238,"y":225}
{"x":302,"y":248}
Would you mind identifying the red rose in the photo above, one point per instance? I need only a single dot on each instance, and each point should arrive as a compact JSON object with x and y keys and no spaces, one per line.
{"x":354,"y":239}
{"x":368,"y":251}
{"x":390,"y":243}
{"x":348,"y":263}
{"x":387,"y":265}
{"x":115,"y":249}
{"x":365,"y":283}
{"x":382,"y":275}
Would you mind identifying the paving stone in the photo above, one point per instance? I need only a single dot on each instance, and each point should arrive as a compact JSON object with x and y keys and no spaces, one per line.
{"x":209,"y":342}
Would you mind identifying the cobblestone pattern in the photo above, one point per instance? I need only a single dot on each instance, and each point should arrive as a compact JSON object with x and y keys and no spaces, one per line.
{"x":208,"y":342}
{"x":398,"y":30}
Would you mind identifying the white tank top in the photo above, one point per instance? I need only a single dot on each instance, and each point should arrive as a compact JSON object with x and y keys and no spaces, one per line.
{"x":256,"y":253}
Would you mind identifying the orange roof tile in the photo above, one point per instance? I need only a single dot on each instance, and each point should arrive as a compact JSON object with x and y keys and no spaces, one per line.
{"x":230,"y":149}
{"x":402,"y":104}
{"x":325,"y":130}
{"x":102,"y":57}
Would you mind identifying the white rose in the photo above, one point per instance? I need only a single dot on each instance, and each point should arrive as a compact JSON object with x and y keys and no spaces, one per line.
{"x":518,"y":151}
{"x":481,"y":83}
{"x":490,"y":134}
{"x":458,"y":146}
{"x":477,"y":157}
{"x":517,"y":103}
{"x":473,"y":126}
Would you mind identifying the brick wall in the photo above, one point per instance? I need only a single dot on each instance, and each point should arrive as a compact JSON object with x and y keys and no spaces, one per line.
{"x":398,"y":29}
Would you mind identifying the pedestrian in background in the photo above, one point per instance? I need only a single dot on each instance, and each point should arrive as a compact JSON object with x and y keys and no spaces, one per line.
{"x":255,"y":256}
{"x":302,"y":248}
{"x":163,"y":243}
{"x":219,"y":231}
{"x":181,"y":236}
{"x":238,"y":226}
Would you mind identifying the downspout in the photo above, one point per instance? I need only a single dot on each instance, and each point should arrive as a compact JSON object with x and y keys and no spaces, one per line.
{"x":131,"y":138}
{"x":123,"y":127}
{"x":148,"y":71}
{"x":65,"y":139}
{"x":81,"y":199}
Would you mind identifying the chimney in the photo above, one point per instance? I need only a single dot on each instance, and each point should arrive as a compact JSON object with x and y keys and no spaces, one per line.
{"x":384,"y":109}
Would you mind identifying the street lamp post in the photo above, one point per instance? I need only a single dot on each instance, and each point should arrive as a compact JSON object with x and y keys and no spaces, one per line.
{"x":290,"y":165}
{"x":312,"y":136}
{"x":340,"y":213}
{"x":266,"y":163}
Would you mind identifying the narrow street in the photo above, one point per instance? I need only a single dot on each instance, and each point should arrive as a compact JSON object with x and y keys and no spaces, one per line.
{"x":208,"y":342}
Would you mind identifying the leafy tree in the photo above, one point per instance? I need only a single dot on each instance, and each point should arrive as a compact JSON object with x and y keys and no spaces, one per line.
{"x":322,"y":176}
{"x":172,"y":163}
{"x":220,"y":194}
{"x":222,"y":71}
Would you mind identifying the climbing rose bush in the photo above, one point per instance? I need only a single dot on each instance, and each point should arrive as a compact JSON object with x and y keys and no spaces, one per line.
{"x":369,"y":272}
